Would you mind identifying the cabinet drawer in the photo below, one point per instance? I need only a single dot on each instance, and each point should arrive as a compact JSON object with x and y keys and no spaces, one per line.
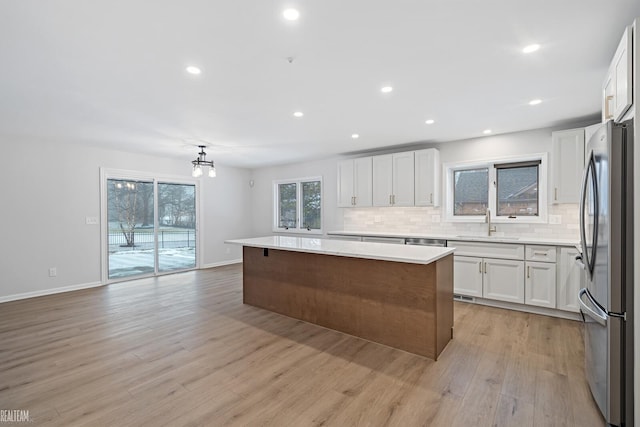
{"x":487,"y":250}
{"x":540,"y":253}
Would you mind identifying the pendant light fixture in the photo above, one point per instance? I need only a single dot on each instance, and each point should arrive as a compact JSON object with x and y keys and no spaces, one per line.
{"x":200,"y":162}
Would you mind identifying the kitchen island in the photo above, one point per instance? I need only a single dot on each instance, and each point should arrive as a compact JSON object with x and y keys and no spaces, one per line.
{"x":400,"y":296}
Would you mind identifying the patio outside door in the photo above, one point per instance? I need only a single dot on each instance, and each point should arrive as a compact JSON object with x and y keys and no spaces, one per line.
{"x":151,"y":227}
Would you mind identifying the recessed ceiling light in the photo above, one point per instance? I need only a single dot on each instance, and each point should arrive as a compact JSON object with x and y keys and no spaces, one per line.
{"x":486,"y":131}
{"x":298,"y":114}
{"x":193,"y":70}
{"x":355,"y":136}
{"x":291,"y":14}
{"x":386,"y":89}
{"x":430,"y":121}
{"x":535,"y":101}
{"x":531,"y":48}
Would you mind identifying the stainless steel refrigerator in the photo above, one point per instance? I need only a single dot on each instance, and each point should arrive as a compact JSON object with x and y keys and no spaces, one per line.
{"x":606,"y":297}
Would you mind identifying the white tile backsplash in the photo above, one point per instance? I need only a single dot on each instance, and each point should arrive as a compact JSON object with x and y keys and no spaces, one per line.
{"x":427,"y":220}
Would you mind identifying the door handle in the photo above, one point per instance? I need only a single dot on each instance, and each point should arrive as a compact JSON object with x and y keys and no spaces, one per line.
{"x":431,"y":198}
{"x":555,"y":194}
{"x":485,"y":268}
{"x":601,"y":318}
{"x":480,"y":267}
{"x":528,"y":272}
{"x":607,"y":111}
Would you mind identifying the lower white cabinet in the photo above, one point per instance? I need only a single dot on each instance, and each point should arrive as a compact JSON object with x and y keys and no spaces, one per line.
{"x":540,"y":284}
{"x":467,"y":276}
{"x":499,"y":279}
{"x":396,"y":240}
{"x":504,"y":280}
{"x":568,"y":280}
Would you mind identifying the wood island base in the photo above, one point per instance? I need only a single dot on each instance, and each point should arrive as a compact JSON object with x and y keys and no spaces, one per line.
{"x":403,"y":305}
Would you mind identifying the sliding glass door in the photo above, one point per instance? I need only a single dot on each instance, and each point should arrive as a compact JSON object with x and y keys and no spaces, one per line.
{"x":151,"y":227}
{"x":176,"y":226}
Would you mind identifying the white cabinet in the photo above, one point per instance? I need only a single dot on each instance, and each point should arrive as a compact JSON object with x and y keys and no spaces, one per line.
{"x":540,"y":284}
{"x":492,"y":278}
{"x":618,"y":84}
{"x":467,"y":276}
{"x":504,"y":280}
{"x":568,"y":280}
{"x":427,"y":177}
{"x":393,"y":179}
{"x":355,"y":182}
{"x":567,"y":165}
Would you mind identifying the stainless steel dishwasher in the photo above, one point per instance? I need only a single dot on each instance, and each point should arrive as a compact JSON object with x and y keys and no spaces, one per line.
{"x":425,"y":242}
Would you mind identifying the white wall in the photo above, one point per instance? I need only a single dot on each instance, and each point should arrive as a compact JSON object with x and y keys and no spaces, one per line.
{"x":520,"y":143}
{"x":48,"y":190}
{"x":262,"y":192}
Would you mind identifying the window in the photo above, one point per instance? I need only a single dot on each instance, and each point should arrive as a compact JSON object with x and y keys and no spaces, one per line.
{"x":512,"y":190}
{"x":517,"y":189}
{"x":298,"y":205}
{"x":470,"y":192}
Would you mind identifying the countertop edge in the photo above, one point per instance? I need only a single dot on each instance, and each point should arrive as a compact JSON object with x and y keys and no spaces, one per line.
{"x":442,"y":252}
{"x":519,"y":241}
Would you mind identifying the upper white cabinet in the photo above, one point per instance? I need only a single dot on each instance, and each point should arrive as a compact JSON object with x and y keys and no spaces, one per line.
{"x":427,"y":177}
{"x":617,"y":88}
{"x":355,"y":182}
{"x":567,"y":164}
{"x":393,"y":179}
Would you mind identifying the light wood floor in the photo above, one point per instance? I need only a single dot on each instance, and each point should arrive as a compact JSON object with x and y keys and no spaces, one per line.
{"x":184,"y":350}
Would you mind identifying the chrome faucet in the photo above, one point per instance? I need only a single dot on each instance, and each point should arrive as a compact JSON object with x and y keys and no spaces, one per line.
{"x":487,"y":220}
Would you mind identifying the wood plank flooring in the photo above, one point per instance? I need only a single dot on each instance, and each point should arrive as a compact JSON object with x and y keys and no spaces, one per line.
{"x":184,"y":350}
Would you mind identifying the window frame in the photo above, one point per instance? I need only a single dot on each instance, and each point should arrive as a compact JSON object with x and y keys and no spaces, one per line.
{"x":543,"y":201}
{"x":299,"y":208}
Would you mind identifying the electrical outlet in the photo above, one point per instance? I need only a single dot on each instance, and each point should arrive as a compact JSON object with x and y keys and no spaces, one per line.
{"x":555,"y":219}
{"x":53,"y":272}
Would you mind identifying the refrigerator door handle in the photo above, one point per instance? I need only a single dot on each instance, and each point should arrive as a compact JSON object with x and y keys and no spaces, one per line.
{"x":590,"y":308}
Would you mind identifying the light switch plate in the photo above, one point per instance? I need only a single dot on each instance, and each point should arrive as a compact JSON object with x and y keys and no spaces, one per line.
{"x":91,"y":220}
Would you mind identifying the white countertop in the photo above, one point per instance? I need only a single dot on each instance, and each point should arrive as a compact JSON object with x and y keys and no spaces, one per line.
{"x":472,"y":238}
{"x":379,"y":251}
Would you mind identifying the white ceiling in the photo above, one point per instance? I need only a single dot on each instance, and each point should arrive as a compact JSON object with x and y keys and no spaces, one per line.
{"x":112,"y":73}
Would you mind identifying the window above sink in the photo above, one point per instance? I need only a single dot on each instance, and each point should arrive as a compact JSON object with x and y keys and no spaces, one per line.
{"x":513,"y":189}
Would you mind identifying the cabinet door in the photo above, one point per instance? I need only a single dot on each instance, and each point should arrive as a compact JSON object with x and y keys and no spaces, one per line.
{"x":362,"y":186}
{"x":467,"y":276}
{"x":568,"y":280}
{"x":345,"y":183}
{"x":382,"y":180}
{"x":503,"y":280}
{"x":568,"y":163}
{"x":427,"y":177}
{"x":540,"y":284}
{"x":403,"y":179}
{"x":608,"y":93}
{"x":622,"y":75}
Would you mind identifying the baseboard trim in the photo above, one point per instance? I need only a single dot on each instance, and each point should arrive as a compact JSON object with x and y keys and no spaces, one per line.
{"x":221,"y":263}
{"x":569,"y":315}
{"x":34,"y":294}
